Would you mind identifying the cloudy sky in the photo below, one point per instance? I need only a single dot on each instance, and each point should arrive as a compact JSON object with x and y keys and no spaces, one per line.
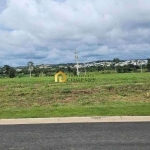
{"x":49,"y":31}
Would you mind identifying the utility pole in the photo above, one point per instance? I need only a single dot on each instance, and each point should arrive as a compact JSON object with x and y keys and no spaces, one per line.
{"x":77,"y":61}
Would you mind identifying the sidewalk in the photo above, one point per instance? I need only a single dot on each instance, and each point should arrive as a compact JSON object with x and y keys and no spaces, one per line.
{"x":75,"y":120}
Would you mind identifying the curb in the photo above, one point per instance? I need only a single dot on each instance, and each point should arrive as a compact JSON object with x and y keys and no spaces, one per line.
{"x":96,"y":119}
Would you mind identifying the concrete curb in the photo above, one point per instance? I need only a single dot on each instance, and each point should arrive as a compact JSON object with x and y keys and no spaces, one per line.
{"x":75,"y":120}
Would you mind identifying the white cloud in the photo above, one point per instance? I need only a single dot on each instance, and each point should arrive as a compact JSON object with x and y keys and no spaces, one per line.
{"x":49,"y":30}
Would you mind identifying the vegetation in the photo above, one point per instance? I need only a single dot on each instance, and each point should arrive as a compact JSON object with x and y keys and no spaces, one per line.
{"x":148,"y":65}
{"x":30,"y":65}
{"x":36,"y":71}
{"x":109,"y":94}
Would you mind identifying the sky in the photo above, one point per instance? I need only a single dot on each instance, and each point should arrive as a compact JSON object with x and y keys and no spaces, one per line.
{"x":50,"y":31}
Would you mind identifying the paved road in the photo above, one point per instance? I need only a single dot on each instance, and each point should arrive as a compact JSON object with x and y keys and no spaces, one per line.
{"x":83,"y":136}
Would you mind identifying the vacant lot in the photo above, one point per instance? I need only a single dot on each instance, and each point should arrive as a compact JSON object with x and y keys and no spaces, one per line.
{"x":109,"y":94}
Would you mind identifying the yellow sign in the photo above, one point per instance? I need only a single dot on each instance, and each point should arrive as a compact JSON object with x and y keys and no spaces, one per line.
{"x":60,"y":77}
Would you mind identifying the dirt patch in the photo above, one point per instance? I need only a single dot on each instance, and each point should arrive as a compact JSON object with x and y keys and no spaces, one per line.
{"x":83,"y":91}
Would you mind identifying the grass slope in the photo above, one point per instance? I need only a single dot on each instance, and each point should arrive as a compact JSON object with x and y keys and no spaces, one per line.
{"x":108,"y":95}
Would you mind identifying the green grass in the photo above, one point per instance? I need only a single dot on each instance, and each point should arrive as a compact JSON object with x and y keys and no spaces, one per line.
{"x":109,"y":95}
{"x":140,"y":109}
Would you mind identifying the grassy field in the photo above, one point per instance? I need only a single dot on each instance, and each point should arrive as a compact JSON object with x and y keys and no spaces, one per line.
{"x":108,"y":95}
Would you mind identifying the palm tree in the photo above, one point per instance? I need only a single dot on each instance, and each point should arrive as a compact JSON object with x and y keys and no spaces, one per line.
{"x":30,"y":67}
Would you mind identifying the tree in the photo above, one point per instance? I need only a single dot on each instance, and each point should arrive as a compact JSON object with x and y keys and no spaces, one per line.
{"x":12,"y":72}
{"x":37,"y":72}
{"x":25,"y":70}
{"x":119,"y":69}
{"x":6,"y":69}
{"x":116,"y":60}
{"x":69,"y":69}
{"x":30,"y":67}
{"x":148,"y":65}
{"x":99,"y":68}
{"x":74,"y":71}
{"x":1,"y":71}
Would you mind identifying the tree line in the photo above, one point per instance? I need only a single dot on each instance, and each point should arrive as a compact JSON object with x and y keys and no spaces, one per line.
{"x":31,"y":70}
